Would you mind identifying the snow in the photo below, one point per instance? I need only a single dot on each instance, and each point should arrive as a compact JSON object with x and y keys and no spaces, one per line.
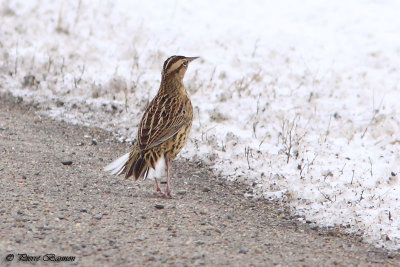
{"x":297,"y":99}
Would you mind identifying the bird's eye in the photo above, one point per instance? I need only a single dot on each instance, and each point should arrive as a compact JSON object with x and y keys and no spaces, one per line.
{"x":185,"y":63}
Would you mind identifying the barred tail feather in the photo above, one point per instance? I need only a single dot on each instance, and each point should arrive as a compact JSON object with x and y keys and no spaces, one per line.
{"x":144,"y":166}
{"x":137,"y":164}
{"x":138,"y":167}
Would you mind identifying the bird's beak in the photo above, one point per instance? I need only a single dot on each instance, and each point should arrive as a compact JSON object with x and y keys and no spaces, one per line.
{"x":191,"y":58}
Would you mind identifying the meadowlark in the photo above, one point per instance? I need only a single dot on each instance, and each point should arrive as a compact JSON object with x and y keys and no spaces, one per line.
{"x":163,"y":130}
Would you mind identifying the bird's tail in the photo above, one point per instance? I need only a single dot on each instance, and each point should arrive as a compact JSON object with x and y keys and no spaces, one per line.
{"x":132,"y":163}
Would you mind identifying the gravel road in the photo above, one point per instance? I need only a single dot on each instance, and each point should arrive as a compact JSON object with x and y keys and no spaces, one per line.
{"x":56,"y":199}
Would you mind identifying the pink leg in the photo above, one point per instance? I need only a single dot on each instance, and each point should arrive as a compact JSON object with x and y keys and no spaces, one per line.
{"x":158,"y":190}
{"x":168,"y":189}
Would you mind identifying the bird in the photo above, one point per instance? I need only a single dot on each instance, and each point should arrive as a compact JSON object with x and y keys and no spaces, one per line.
{"x":163,"y":130}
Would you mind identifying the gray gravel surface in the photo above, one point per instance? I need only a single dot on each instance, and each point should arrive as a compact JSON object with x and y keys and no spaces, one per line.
{"x":57,"y":199}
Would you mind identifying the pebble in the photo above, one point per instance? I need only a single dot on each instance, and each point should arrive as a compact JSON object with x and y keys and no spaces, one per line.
{"x":159,"y":206}
{"x":21,"y":219}
{"x":98,"y":216}
{"x":243,"y":251}
{"x":206,"y":189}
{"x":66,"y":162}
{"x":196,"y":257}
{"x":181,"y":192}
{"x":20,"y":212}
{"x":59,"y":103}
{"x":94,"y":142}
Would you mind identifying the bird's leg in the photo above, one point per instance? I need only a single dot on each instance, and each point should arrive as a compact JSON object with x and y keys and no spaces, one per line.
{"x":168,"y":189}
{"x":158,"y":190}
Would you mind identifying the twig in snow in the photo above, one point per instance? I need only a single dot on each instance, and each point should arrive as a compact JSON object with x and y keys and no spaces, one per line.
{"x":78,"y":11}
{"x":262,"y":141}
{"x":289,"y":148}
{"x":301,"y":168}
{"x":77,"y":81}
{"x":49,"y":63}
{"x":126,"y":98}
{"x":374,"y":112}
{"x":247,"y":152}
{"x":205,"y":133}
{"x":326,"y":196}
{"x":341,"y":171}
{"x":310,"y":96}
{"x":198,"y":116}
{"x":287,"y":135}
{"x":329,"y":173}
{"x":327,"y":130}
{"x":258,"y":103}
{"x":212,"y":77}
{"x":16,"y":60}
{"x":352,"y":177}
{"x":255,"y":48}
{"x":62,"y":68}
{"x":255,"y":128}
{"x":311,"y":163}
{"x":361,"y":197}
{"x":370,"y":163}
{"x":243,"y":84}
{"x":257,"y":121}
{"x":32,"y":63}
{"x":223,"y":147}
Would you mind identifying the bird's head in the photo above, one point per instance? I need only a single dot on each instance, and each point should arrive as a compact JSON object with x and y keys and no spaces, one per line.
{"x":176,"y":66}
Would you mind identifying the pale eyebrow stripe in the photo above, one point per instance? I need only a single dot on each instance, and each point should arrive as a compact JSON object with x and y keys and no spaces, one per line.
{"x":167,"y":63}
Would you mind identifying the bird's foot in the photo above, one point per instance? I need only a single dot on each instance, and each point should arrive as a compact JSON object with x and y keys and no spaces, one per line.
{"x":162,"y":195}
{"x":159,"y":194}
{"x":168,"y":192}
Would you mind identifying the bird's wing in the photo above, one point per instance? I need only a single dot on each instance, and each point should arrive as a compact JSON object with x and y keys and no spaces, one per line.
{"x":163,"y":118}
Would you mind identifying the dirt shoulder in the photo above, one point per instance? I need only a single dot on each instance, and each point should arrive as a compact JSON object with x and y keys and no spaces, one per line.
{"x":57,"y":199}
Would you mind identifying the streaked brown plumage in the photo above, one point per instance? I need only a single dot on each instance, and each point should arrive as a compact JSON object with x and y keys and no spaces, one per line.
{"x":164,"y":128}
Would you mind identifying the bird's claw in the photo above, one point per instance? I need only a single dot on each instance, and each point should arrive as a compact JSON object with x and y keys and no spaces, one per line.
{"x":162,"y":195}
